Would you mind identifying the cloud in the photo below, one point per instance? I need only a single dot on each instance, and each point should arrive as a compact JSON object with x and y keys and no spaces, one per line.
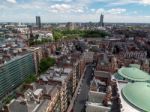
{"x":100,"y":10}
{"x":60,"y":8}
{"x":65,"y":8}
{"x":116,"y":11}
{"x":61,"y":0}
{"x":146,"y":2}
{"x":73,"y":10}
{"x":126,"y":2}
{"x":127,"y":18}
{"x":135,"y":12}
{"x":78,"y":10}
{"x":93,"y":10}
{"x":95,"y":18}
{"x":113,"y":11}
{"x":11,"y":1}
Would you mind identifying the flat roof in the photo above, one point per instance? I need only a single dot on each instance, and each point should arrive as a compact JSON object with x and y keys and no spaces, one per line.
{"x":37,"y":92}
{"x":43,"y":106}
{"x":57,"y":74}
{"x":61,"y":78}
{"x":90,"y":107}
{"x":103,"y":74}
{"x":96,"y":97}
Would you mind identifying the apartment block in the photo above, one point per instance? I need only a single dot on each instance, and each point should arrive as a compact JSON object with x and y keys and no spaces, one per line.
{"x":14,"y":72}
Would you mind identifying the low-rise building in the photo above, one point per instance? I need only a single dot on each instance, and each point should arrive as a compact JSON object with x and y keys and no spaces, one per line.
{"x":101,"y":96}
{"x":39,"y":97}
{"x":60,"y":76}
{"x":88,"y":57}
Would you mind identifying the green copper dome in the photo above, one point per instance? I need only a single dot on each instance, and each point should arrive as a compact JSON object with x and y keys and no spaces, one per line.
{"x":135,"y":66}
{"x":138,"y":94}
{"x":133,"y":74}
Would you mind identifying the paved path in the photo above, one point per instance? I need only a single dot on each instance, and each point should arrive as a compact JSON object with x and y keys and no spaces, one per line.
{"x":82,"y":97}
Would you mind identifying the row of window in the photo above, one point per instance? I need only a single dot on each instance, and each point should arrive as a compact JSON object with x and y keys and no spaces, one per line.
{"x":14,"y":73}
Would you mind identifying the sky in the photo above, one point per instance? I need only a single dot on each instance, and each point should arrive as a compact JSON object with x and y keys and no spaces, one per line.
{"x":118,"y":11}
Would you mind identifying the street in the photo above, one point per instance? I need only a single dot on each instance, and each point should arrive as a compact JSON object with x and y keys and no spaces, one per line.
{"x":82,"y":97}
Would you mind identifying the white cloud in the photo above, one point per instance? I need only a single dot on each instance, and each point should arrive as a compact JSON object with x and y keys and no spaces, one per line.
{"x":125,"y":2}
{"x":61,"y":0}
{"x":65,"y":8}
{"x":93,"y":10}
{"x":127,"y":18}
{"x":114,"y":11}
{"x":146,"y":2}
{"x":95,"y":18}
{"x":30,"y":6}
{"x":78,"y":10}
{"x":11,"y":1}
{"x":101,"y":10}
{"x":135,"y":12}
{"x":60,"y":8}
{"x":70,"y":10}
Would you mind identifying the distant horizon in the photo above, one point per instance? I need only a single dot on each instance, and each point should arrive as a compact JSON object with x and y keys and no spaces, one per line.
{"x":76,"y":22}
{"x":115,"y":11}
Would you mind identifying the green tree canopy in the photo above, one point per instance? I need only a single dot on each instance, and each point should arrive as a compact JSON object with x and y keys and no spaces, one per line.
{"x":46,"y":63}
{"x":57,"y":35}
{"x":30,"y":79}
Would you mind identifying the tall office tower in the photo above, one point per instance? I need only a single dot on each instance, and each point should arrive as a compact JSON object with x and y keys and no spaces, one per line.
{"x":102,"y":20}
{"x":38,"y":21}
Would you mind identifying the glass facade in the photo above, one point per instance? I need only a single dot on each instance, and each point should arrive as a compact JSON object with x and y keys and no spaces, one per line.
{"x":13,"y":73}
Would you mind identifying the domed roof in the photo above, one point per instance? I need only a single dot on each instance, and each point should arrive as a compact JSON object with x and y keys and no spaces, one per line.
{"x":138,"y":94}
{"x":135,"y":66}
{"x":133,"y":74}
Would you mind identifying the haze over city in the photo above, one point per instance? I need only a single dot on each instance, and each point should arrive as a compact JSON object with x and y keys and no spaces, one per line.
{"x":131,"y":11}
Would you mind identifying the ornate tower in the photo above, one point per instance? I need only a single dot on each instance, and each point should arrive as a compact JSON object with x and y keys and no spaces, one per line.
{"x":114,"y":64}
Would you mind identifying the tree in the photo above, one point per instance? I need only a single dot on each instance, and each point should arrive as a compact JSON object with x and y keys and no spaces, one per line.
{"x":46,"y":63}
{"x":68,"y":34}
{"x":30,"y":79}
{"x":8,"y":99}
{"x":57,"y":35}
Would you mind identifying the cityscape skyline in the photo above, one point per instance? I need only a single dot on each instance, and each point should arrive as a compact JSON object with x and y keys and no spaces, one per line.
{"x":126,"y":11}
{"x":74,"y":56}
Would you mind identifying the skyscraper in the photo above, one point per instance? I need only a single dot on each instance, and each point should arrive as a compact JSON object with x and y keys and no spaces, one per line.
{"x":102,"y":20}
{"x":38,"y":21}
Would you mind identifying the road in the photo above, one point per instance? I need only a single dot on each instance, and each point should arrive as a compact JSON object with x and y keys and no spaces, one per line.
{"x":81,"y":99}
